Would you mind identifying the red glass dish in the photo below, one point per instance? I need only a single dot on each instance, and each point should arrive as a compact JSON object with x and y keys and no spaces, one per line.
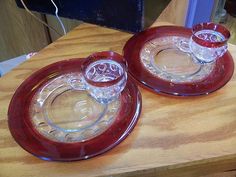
{"x":217,"y":78}
{"x":35,"y":143}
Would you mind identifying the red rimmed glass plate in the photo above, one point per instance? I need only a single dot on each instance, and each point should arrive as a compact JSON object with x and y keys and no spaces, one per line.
{"x":62,"y":140}
{"x":156,"y":62}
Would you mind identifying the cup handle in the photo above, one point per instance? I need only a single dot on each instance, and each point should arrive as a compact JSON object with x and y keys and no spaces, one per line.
{"x":77,"y":82}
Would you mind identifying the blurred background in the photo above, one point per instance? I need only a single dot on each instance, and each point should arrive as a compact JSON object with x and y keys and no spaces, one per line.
{"x":21,"y":34}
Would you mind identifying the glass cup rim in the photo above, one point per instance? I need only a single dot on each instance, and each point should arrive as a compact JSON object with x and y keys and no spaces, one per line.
{"x":210,"y":26}
{"x":104,"y":55}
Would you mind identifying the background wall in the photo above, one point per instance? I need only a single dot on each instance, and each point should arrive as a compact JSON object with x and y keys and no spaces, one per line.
{"x":68,"y":23}
{"x":175,"y":12}
{"x":21,"y":34}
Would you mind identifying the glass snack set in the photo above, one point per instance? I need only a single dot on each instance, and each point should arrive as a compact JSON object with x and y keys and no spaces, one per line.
{"x":181,"y":62}
{"x":79,"y":108}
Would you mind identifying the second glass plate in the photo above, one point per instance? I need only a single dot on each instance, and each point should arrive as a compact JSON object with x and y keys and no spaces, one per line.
{"x":156,"y":62}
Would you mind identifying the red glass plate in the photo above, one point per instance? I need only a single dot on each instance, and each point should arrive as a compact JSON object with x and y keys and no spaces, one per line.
{"x":29,"y":138}
{"x":210,"y":78}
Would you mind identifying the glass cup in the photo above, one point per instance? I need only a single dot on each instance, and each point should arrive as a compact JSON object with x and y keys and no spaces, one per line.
{"x":104,"y":76}
{"x":208,"y":42}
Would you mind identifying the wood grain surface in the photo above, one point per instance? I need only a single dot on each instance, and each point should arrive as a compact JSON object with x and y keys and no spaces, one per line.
{"x":174,"y":136}
{"x":224,"y":174}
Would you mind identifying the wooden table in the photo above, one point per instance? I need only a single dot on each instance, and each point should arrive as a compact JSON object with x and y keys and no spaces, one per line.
{"x":174,"y":136}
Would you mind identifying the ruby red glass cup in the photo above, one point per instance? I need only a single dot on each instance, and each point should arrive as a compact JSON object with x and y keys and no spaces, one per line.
{"x":104,"y":75}
{"x":208,"y":41}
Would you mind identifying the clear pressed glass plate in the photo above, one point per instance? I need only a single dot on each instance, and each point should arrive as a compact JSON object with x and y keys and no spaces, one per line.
{"x":162,"y":58}
{"x":53,"y":121}
{"x":61,"y":113}
{"x":157,"y":63}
